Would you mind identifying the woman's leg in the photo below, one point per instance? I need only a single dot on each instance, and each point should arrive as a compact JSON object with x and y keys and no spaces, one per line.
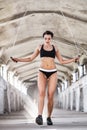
{"x":52,"y":82}
{"x":42,"y":89}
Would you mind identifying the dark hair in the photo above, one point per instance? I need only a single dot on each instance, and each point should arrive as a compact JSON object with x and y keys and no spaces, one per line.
{"x":48,"y":33}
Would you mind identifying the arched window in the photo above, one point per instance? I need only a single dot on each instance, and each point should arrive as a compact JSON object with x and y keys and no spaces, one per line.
{"x":80,"y":71}
{"x":3,"y":71}
{"x":84,"y":67}
{"x":76,"y":75}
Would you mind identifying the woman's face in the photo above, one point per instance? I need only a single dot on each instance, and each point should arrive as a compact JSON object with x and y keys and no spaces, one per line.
{"x":47,"y":38}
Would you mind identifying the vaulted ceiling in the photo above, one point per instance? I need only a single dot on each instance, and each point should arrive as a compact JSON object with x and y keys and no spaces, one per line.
{"x":23,"y":22}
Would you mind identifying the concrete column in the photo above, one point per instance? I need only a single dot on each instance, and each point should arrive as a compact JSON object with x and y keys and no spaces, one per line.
{"x":81,"y":99}
{"x":8,"y":99}
{"x":1,"y":100}
{"x":77,"y":98}
{"x":64,"y":100}
{"x":74,"y":100}
{"x":2,"y":96}
{"x":69,"y":99}
{"x":14,"y":102}
{"x":61,"y":100}
{"x":18,"y":102}
{"x":85,"y":98}
{"x":71,"y":102}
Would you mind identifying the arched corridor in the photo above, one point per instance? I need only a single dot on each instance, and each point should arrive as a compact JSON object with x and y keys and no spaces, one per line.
{"x":22,"y":24}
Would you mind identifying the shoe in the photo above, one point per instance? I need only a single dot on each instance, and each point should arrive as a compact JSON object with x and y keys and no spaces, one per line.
{"x":39,"y":120}
{"x":49,"y":121}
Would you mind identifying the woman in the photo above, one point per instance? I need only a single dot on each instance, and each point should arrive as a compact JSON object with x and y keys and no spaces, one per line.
{"x":47,"y":72}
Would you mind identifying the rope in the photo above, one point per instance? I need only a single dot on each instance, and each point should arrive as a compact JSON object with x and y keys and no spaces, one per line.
{"x":67,"y":24}
{"x":15,"y":39}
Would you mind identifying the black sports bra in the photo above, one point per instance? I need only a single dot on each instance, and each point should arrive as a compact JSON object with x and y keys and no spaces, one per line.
{"x":45,"y":53}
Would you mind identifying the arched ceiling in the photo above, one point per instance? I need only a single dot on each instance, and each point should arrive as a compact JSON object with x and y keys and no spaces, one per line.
{"x":23,"y":22}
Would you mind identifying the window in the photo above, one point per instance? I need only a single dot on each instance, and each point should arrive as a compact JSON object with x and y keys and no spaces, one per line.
{"x":84,"y":69}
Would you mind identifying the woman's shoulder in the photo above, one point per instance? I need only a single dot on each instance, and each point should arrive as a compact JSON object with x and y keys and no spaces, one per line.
{"x":56,"y":47}
{"x":39,"y":46}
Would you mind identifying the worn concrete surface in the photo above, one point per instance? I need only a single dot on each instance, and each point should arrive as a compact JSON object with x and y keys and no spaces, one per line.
{"x":63,"y":120}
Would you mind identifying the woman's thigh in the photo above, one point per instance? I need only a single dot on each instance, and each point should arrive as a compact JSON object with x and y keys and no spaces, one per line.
{"x":41,"y":82}
{"x":52,"y":83}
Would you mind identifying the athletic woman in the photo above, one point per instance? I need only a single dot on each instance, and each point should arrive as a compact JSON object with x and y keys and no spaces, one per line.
{"x":47,"y":73}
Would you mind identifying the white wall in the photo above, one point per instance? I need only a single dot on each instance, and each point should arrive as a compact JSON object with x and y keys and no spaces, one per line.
{"x":75,"y":95}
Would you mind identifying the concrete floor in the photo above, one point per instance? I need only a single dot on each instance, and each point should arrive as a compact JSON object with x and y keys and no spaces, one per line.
{"x":63,"y":120}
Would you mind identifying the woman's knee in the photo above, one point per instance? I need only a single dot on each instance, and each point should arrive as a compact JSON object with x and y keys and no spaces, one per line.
{"x":50,"y":96}
{"x":42,"y":94}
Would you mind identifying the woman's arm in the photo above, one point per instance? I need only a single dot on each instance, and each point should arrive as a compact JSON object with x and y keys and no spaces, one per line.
{"x":28,"y":59}
{"x":62,"y":61}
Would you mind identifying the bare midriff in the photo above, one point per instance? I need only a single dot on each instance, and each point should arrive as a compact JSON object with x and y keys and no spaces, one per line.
{"x":47,"y":63}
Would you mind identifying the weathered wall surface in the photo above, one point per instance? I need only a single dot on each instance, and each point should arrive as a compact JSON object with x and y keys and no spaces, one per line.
{"x":10,"y":98}
{"x":75,"y":96}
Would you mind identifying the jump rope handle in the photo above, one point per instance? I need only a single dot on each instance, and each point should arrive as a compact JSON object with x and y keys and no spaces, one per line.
{"x":77,"y":60}
{"x":13,"y":59}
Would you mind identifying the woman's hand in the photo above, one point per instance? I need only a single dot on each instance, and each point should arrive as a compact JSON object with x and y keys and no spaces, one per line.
{"x":14,"y":59}
{"x":77,"y":59}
